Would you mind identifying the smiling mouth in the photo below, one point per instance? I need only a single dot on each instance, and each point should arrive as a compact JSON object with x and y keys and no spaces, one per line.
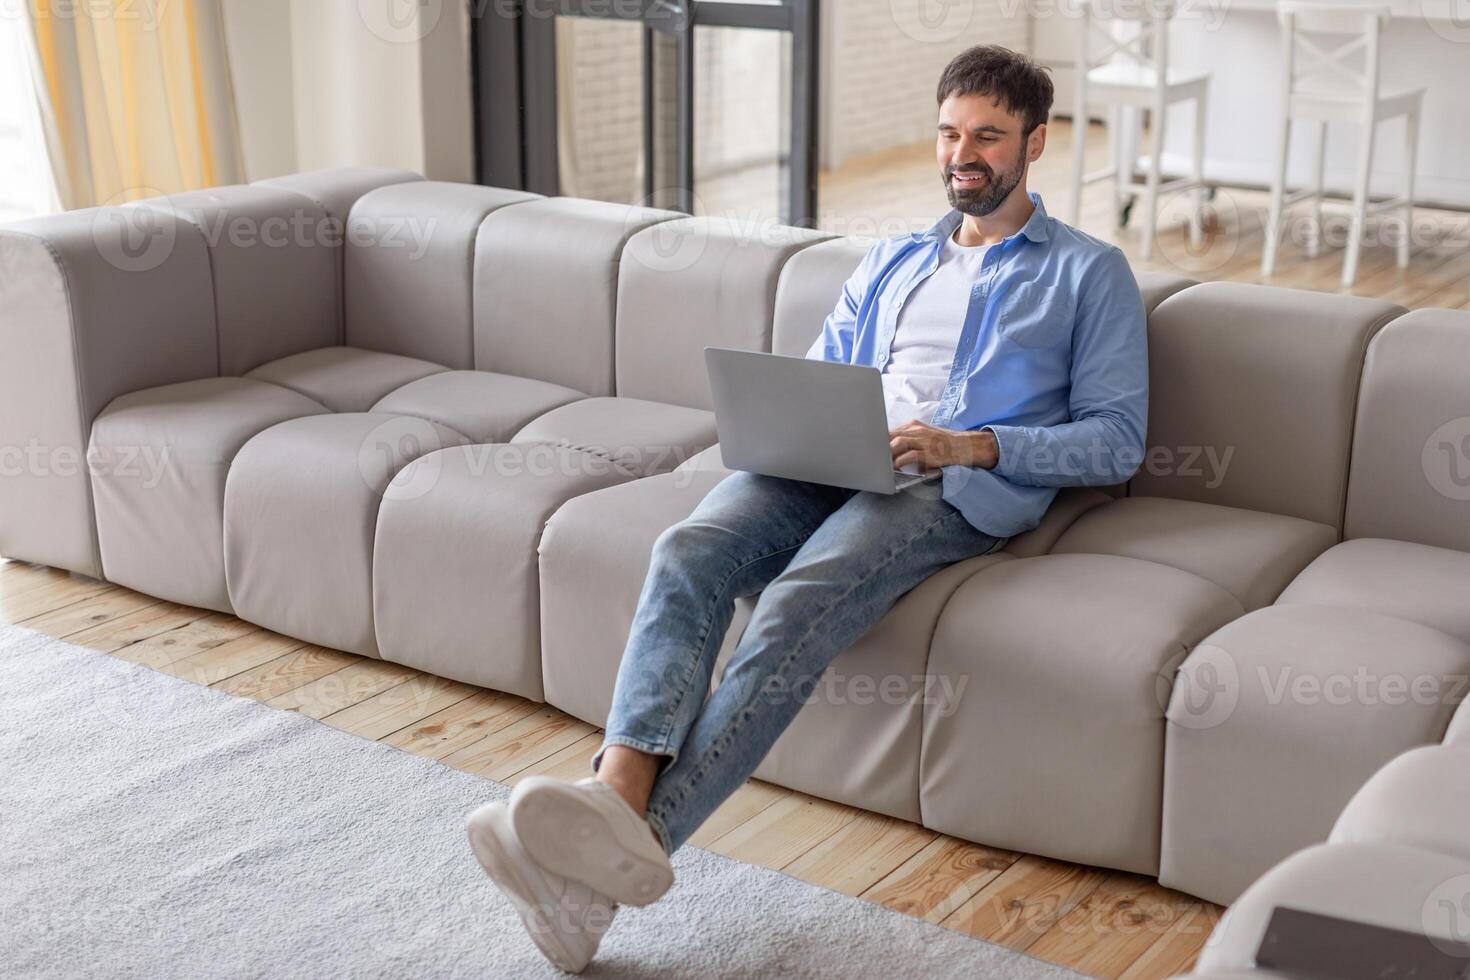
{"x":967,"y":179}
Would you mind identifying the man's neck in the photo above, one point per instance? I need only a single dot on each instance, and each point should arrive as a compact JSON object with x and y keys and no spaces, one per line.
{"x":999,"y":224}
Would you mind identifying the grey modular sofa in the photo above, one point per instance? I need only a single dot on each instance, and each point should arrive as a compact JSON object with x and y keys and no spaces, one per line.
{"x":443,"y":425}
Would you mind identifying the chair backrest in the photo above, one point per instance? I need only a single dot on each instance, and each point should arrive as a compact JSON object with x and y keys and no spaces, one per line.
{"x":1331,"y":46}
{"x":1130,"y":32}
{"x":1410,"y":477}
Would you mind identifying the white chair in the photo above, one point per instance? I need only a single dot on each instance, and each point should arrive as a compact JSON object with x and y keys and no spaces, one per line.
{"x":1319,"y":83}
{"x":1133,"y":72}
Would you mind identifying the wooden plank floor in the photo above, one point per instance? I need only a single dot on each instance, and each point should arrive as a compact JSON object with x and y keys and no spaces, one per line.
{"x":1103,"y":923}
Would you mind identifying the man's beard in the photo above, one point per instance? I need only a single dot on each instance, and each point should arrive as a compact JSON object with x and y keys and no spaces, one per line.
{"x":990,"y":195}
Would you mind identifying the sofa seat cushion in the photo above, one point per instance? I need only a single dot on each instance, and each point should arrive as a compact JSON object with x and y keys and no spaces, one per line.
{"x":1380,"y":884}
{"x":1420,"y":799}
{"x":1417,"y":582}
{"x":345,"y":379}
{"x":159,"y":460}
{"x":483,"y":405}
{"x":642,"y":437}
{"x":1066,"y":661}
{"x":1275,"y":722}
{"x":1250,"y":554}
{"x":456,"y":588}
{"x":301,"y":508}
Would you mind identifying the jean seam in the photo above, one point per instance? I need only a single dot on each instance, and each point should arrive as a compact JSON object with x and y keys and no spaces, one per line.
{"x":704,"y":638}
{"x":729,"y":734}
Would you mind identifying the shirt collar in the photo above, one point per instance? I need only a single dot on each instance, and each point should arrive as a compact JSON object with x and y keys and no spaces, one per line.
{"x":1035,"y":228}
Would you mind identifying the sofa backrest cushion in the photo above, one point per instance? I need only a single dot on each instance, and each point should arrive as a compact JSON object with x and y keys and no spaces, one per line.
{"x":409,"y":268}
{"x":273,"y":257}
{"x":694,"y":282}
{"x":1251,"y":396}
{"x":546,"y":289}
{"x":1410,"y":477}
{"x":810,"y":285}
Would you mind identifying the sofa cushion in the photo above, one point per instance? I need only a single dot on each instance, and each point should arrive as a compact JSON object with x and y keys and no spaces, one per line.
{"x":274,"y":257}
{"x":807,"y":292}
{"x":1277,"y":719}
{"x":408,"y":268}
{"x":1066,"y":661}
{"x":595,"y":553}
{"x":527,"y":321}
{"x":1247,"y":553}
{"x":1380,"y":884}
{"x":1265,"y":379}
{"x":345,"y":379}
{"x":642,"y":437}
{"x":689,"y":283}
{"x":1420,"y":799}
{"x":86,"y":316}
{"x":159,"y":458}
{"x":1411,"y":449}
{"x":1416,"y":582}
{"x":456,"y":564}
{"x":301,"y":508}
{"x":336,"y":189}
{"x":485,"y":406}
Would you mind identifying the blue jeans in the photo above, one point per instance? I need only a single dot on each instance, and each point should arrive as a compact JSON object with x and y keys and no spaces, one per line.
{"x":828,"y":563}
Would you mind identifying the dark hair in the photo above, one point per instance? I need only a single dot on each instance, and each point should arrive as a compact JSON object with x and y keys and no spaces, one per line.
{"x":1019,"y":84}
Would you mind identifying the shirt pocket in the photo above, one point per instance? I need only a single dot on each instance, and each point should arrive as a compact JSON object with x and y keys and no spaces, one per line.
{"x":1035,"y":317}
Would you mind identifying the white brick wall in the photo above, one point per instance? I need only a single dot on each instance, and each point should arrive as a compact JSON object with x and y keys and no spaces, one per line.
{"x":884,"y":61}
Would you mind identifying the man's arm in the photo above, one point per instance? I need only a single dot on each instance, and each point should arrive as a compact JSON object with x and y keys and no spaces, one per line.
{"x":1104,"y":442}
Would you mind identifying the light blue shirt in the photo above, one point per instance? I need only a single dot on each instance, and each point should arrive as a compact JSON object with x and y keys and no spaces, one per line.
{"x":1052,"y":358}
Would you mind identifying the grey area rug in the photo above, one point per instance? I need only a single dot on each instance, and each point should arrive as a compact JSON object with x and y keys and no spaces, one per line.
{"x":155,"y":828}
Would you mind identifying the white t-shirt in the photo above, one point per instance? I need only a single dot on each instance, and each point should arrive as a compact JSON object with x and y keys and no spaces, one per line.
{"x":928,"y":331}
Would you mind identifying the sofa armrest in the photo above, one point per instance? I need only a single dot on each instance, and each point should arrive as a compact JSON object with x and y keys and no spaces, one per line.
{"x":93,"y":304}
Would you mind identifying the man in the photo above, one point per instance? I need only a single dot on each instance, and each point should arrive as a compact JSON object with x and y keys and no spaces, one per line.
{"x":1013,"y":359}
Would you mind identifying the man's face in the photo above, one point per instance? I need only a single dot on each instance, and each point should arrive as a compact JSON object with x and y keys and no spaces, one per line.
{"x":982,"y":155}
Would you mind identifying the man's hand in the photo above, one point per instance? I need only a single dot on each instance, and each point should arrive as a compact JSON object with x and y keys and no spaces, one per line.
{"x":932,"y":447}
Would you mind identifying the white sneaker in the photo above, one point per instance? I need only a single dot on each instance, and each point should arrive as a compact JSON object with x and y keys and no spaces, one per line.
{"x":587,"y":832}
{"x":566,"y":919}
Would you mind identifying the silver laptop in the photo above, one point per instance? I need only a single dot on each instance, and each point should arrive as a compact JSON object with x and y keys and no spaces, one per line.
{"x":804,"y":420}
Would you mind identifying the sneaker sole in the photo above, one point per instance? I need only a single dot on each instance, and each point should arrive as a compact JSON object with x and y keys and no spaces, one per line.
{"x":489,"y":851}
{"x":568,"y":837}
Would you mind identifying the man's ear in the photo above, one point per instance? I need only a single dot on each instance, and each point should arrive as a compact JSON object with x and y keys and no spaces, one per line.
{"x":1035,"y":143}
